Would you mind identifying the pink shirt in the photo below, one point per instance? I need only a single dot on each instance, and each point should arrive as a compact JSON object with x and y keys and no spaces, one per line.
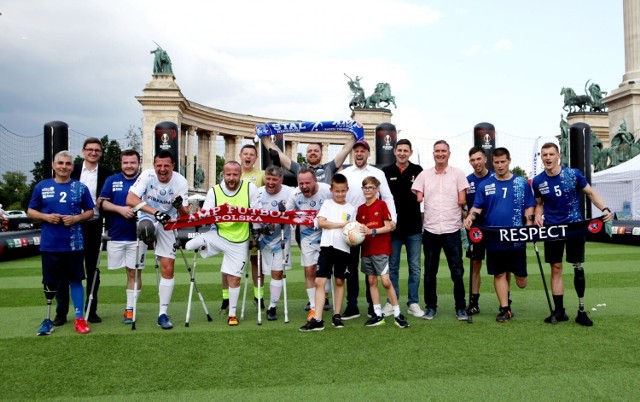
{"x":442,"y":214}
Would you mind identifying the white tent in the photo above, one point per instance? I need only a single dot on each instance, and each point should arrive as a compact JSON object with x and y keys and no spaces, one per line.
{"x":620,"y":188}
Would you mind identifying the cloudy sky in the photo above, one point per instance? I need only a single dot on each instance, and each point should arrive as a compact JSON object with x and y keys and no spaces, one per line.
{"x":451,"y":64}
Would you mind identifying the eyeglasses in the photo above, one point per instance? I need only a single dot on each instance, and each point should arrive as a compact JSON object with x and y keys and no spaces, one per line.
{"x":96,"y":150}
{"x":369,"y":188}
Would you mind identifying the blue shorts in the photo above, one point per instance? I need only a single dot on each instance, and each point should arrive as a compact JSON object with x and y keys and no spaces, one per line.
{"x":501,"y":261}
{"x":66,"y":265}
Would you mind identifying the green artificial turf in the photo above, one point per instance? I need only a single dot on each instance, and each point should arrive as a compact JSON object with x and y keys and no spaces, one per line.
{"x":442,"y":359}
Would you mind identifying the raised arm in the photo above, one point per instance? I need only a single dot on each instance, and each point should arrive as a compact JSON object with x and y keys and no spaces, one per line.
{"x":344,"y":152}
{"x":285,"y":161}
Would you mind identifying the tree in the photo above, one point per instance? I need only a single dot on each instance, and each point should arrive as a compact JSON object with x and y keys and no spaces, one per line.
{"x":301,"y":158}
{"x":14,"y":191}
{"x":517,"y":170}
{"x":134,"y":138}
{"x":219,"y":164}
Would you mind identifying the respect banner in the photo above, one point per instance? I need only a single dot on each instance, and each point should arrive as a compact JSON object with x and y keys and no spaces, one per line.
{"x":230,"y":213}
{"x":509,"y":234}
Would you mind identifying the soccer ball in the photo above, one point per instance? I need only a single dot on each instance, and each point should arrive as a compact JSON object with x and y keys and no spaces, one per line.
{"x":352,"y":235}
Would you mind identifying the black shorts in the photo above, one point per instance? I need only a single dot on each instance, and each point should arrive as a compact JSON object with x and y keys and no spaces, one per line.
{"x":553,"y":250}
{"x":68,"y":266}
{"x":331,"y":260}
{"x":476,"y":251}
{"x":501,"y":261}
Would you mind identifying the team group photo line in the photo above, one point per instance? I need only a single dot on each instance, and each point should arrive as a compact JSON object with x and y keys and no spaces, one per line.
{"x":345,"y":220}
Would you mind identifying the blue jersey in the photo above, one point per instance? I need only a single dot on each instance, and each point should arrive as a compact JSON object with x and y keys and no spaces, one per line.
{"x":560,"y":195}
{"x":503,"y":203}
{"x":474,"y":183}
{"x":115,"y":189}
{"x":70,"y":198}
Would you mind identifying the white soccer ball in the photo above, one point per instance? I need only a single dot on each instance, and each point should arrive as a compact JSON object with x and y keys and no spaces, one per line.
{"x":352,"y":235}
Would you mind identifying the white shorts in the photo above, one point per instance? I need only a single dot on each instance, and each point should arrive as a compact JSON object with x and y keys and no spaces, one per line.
{"x":272,"y":261}
{"x":123,"y":254}
{"x":165,"y":242}
{"x":309,"y":252}
{"x":235,"y":254}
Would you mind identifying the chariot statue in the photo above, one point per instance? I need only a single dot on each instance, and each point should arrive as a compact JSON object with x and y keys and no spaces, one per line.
{"x":161,"y":61}
{"x":382,"y":94}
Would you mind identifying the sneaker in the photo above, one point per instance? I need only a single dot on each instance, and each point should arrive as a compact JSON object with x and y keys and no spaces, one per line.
{"x":387,"y":310}
{"x":255,"y":302}
{"x":59,"y":320}
{"x":415,"y":310}
{"x":327,"y":305}
{"x":128,"y":316}
{"x":94,"y":318}
{"x":473,"y":309}
{"x":232,"y":321}
{"x":164,"y":322}
{"x":461,"y":315}
{"x":374,"y":321}
{"x":311,"y":314}
{"x":271,"y":314}
{"x":224,"y":308}
{"x":350,"y":313}
{"x":401,"y":321}
{"x":504,"y":315}
{"x":307,"y":307}
{"x":46,"y":328}
{"x":81,"y":326}
{"x":583,"y":319}
{"x":370,"y":311}
{"x":313,"y":325}
{"x":336,"y":321}
{"x":560,"y":316}
{"x":429,"y":314}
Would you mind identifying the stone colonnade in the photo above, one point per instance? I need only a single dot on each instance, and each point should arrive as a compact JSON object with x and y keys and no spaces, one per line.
{"x":162,"y":100}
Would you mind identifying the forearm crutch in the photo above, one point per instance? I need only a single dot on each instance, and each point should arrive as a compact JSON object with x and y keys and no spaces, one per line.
{"x":192,"y":274}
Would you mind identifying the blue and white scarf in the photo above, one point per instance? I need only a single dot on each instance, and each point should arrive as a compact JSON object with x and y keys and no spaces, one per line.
{"x":349,"y":126}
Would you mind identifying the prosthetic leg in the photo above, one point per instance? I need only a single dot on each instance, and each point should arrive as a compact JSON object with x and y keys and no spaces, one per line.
{"x":46,"y":328}
{"x":580,"y":284}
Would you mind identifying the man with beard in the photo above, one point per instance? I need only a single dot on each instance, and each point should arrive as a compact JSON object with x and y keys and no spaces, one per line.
{"x":322,"y":171}
{"x":310,"y":195}
{"x":355,"y":174}
{"x":230,"y":238}
{"x":273,"y":196}
{"x":121,"y":226}
{"x":160,"y":194}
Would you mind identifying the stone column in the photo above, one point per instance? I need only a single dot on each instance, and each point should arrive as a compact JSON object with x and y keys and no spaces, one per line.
{"x":210,"y":180}
{"x":190,"y":142}
{"x":631,"y":12}
{"x":325,"y":152}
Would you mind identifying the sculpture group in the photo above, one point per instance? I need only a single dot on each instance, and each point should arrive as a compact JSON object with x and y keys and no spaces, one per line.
{"x":382,"y":94}
{"x":591,"y":101}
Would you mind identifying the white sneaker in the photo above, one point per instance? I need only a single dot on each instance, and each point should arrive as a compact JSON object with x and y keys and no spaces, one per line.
{"x":387,"y":310}
{"x":415,"y":310}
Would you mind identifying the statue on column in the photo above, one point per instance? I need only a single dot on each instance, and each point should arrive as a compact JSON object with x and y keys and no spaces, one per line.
{"x":358,"y":100}
{"x":564,"y":141}
{"x":623,"y":146}
{"x":198,"y":177}
{"x":161,"y":61}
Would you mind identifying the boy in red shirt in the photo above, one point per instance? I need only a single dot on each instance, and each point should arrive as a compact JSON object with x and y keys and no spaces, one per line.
{"x":376,"y":250}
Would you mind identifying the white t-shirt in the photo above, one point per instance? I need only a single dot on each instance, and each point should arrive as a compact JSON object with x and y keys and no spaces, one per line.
{"x":355,"y":196}
{"x":161,"y":195}
{"x":269,"y":202}
{"x":335,"y":212}
{"x":298,"y":202}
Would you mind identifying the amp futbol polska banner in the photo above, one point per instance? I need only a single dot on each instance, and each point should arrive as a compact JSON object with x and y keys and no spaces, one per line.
{"x":230,"y":213}
{"x":509,"y":234}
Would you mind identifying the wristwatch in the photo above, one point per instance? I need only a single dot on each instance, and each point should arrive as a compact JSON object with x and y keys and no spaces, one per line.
{"x":373,"y":232}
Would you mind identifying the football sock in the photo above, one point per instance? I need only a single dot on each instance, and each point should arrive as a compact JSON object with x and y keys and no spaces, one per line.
{"x":276,"y":288}
{"x":234,"y":294}
{"x":165,"y":291}
{"x":77,"y":296}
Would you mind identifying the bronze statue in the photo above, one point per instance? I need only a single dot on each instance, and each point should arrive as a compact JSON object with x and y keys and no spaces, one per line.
{"x":198,"y":177}
{"x":381,"y":94}
{"x":564,"y":141}
{"x":358,"y":99}
{"x":623,"y":146}
{"x":596,"y":95}
{"x":571,"y":100}
{"x":161,"y":61}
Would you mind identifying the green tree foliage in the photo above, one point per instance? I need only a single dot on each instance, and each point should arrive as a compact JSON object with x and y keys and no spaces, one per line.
{"x":520,"y":171}
{"x":14,"y":191}
{"x":219,"y":164}
{"x":134,"y":138}
{"x":301,"y":158}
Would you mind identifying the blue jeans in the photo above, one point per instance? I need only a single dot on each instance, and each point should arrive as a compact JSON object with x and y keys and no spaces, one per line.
{"x":412,"y":244}
{"x":432,"y":244}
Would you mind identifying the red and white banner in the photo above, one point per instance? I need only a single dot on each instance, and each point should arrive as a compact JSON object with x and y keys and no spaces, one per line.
{"x":229,"y":213}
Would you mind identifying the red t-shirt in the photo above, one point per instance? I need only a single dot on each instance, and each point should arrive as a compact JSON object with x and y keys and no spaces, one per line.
{"x":373,"y":216}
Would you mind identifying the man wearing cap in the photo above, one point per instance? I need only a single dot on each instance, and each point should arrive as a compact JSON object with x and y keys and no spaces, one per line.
{"x":355,"y":174}
{"x":323,"y":171}
{"x":160,"y":194}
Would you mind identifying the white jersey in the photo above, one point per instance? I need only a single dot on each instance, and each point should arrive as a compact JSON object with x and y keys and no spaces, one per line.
{"x":160,"y":195}
{"x":270,"y":202}
{"x":298,"y":202}
{"x":334,"y":212}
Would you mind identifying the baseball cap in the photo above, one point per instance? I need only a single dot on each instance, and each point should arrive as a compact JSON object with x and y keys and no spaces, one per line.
{"x":362,"y":143}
